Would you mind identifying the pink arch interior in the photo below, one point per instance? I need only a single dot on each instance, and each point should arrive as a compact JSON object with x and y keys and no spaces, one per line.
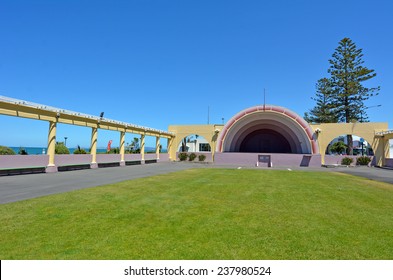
{"x":295,"y":125}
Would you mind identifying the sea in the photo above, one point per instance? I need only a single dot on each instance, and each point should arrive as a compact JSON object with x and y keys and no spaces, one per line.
{"x":42,"y":150}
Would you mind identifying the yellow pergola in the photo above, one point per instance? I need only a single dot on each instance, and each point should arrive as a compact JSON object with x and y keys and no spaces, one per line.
{"x":25,"y":109}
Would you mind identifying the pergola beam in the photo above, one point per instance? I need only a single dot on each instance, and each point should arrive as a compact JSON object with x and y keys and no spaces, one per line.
{"x":388,"y":133}
{"x":24,"y":109}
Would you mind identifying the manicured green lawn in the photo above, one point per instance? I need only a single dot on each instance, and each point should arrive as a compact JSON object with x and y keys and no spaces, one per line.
{"x":207,"y":214}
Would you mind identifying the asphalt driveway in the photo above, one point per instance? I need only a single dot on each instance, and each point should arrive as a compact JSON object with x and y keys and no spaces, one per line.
{"x":372,"y":173}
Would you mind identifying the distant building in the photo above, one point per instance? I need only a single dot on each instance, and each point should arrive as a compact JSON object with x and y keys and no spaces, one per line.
{"x":198,"y":145}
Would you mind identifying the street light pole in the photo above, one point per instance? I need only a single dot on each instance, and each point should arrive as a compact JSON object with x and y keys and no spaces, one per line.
{"x":361,"y":120}
{"x":365,"y":108}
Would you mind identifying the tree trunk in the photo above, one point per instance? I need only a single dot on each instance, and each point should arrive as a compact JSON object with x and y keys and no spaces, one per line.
{"x":350,"y":145}
{"x":183,"y":145}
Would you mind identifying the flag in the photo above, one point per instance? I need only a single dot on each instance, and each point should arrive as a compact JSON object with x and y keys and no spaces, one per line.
{"x":108,"y":149}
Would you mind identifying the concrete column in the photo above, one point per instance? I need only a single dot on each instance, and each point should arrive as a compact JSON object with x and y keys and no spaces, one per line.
{"x":122,"y":143}
{"x":386,"y":150}
{"x":93,"y":147}
{"x":213,"y":143}
{"x":171,"y":152}
{"x":322,"y":145}
{"x":379,"y":151}
{"x":143,"y":148}
{"x":213,"y":149}
{"x":157,"y":147}
{"x":323,"y":158}
{"x":51,"y":147}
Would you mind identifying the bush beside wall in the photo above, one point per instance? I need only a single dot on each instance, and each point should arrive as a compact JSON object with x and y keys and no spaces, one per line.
{"x":6,"y":151}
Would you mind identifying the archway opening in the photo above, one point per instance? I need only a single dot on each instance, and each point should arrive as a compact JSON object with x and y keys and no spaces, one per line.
{"x":194,"y":143}
{"x":339,"y":146}
{"x":336,"y":152}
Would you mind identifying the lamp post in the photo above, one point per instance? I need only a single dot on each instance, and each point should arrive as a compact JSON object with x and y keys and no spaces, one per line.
{"x":365,"y":108}
{"x":362,"y":142}
{"x":361,"y":120}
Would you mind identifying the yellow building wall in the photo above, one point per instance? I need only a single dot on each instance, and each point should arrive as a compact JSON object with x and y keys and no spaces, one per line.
{"x":330,"y":131}
{"x":209,"y":131}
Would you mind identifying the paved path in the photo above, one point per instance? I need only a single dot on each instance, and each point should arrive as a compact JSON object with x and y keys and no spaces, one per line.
{"x":372,"y":173}
{"x":21,"y":187}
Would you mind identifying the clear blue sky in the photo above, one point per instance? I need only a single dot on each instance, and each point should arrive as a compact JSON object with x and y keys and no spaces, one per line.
{"x":156,"y":63}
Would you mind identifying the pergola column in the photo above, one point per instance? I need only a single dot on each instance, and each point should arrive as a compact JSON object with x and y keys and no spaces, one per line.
{"x":212,"y":148}
{"x":122,"y":143}
{"x":157,"y":147}
{"x":172,"y":154}
{"x":386,"y":150}
{"x":93,"y":147}
{"x":143,"y":148}
{"x":51,"y":167}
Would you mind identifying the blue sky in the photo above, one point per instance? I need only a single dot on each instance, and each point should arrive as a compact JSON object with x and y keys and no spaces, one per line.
{"x":156,"y":63}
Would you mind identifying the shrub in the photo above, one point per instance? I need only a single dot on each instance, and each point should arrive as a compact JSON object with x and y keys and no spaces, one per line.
{"x":22,"y":151}
{"x":201,"y":157}
{"x":6,"y":151}
{"x":192,"y":156}
{"x":363,"y":160}
{"x":338,"y":147}
{"x":80,"y":151}
{"x":61,"y":149}
{"x":114,"y":151}
{"x":183,"y":156}
{"x":132,"y":151}
{"x":346,"y":161}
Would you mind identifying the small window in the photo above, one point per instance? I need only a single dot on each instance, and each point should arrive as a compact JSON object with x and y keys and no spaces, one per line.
{"x":204,"y":147}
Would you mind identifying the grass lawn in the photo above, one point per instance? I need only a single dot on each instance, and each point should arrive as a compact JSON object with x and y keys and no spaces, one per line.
{"x":207,"y":214}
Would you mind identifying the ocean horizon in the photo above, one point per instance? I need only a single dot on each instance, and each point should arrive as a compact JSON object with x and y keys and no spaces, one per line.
{"x":43,"y":150}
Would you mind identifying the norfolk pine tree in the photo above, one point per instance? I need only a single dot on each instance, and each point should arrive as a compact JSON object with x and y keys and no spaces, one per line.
{"x":347,"y":75}
{"x":323,"y":111}
{"x":345,"y":89}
